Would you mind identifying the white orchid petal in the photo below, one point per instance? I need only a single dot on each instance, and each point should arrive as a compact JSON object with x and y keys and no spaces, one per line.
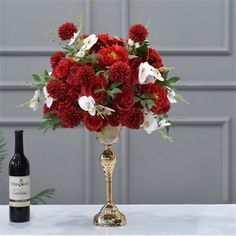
{"x":171,"y":96}
{"x":72,"y":40}
{"x":34,"y":102}
{"x":87,"y":103}
{"x":150,"y":122}
{"x":130,"y":42}
{"x":90,"y":41}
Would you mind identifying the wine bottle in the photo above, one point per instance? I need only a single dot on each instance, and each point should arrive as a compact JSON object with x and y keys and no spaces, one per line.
{"x":19,"y":183}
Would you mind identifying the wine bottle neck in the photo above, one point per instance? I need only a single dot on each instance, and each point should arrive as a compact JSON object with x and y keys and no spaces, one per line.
{"x":19,"y":147}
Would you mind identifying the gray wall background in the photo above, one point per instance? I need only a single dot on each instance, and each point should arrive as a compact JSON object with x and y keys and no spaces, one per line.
{"x":196,"y":37}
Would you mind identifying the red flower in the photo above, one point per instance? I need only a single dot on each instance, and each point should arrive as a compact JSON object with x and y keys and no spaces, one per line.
{"x":134,"y":65}
{"x":98,"y":83}
{"x":70,"y":117}
{"x":162,"y":104}
{"x":133,"y":119}
{"x":56,"y":89}
{"x":67,"y":30}
{"x":62,"y":69}
{"x":113,"y":119}
{"x":120,"y":72}
{"x":110,"y":55}
{"x":138,"y":33}
{"x":124,"y":101}
{"x":55,"y":58}
{"x":154,"y":58}
{"x":74,"y":69}
{"x":93,"y":123}
{"x":105,"y":40}
{"x":86,"y":76}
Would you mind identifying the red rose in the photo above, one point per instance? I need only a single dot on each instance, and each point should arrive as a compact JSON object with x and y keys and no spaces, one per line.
{"x":154,"y":58}
{"x":124,"y":101}
{"x":138,"y":33}
{"x":113,"y":119}
{"x":98,"y":83}
{"x":70,"y":117}
{"x":93,"y":123}
{"x":62,"y":69}
{"x":120,"y":72}
{"x":105,"y":40}
{"x":111,"y":55}
{"x":133,"y":119}
{"x":56,"y":58}
{"x":67,"y":30}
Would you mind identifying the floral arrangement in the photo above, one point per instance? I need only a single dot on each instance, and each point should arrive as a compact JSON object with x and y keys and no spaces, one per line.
{"x":105,"y":80}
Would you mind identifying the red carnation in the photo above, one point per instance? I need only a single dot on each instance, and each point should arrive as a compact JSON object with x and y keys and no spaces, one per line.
{"x":98,"y":83}
{"x":56,"y":89}
{"x":154,"y":58}
{"x":111,"y":55}
{"x":70,"y":117}
{"x":93,"y":123}
{"x":124,"y":101}
{"x":133,"y":119}
{"x":120,"y":72}
{"x":55,"y":58}
{"x":138,"y":33}
{"x":67,"y":30}
{"x":86,"y":76}
{"x":62,"y":69}
{"x":113,"y":119}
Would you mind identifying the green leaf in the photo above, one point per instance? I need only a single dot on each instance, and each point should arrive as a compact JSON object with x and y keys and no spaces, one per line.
{"x":100,"y":91}
{"x":40,"y":197}
{"x":173,"y":80}
{"x":165,"y":135}
{"x":136,"y":99}
{"x":143,"y":103}
{"x":37,"y":78}
{"x":115,"y":85}
{"x":115,"y":90}
{"x":148,"y":95}
{"x":142,"y":50}
{"x":150,"y":104}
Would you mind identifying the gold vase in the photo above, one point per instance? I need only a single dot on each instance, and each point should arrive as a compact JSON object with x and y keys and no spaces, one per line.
{"x":109,"y":215}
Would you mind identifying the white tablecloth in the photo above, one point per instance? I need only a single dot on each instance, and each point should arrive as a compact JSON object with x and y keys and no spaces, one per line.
{"x":141,"y":219}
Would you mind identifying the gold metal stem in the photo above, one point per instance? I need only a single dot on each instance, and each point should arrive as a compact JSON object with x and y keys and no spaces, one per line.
{"x":109,"y":215}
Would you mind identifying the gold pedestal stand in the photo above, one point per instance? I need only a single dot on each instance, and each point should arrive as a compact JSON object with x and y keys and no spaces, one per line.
{"x":109,"y":216}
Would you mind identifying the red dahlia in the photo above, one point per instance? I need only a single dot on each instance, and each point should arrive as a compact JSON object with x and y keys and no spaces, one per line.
{"x":86,"y":75}
{"x":55,"y":58}
{"x":133,"y":119}
{"x":67,"y":30}
{"x":138,"y":33}
{"x":120,"y":72}
{"x":70,"y":117}
{"x":154,"y":58}
{"x":56,"y":89}
{"x":113,"y":119}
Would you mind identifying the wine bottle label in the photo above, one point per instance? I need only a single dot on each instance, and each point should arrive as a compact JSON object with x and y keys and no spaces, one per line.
{"x":19,"y":191}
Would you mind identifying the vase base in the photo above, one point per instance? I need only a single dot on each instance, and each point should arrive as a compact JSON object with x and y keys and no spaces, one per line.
{"x":109,"y":216}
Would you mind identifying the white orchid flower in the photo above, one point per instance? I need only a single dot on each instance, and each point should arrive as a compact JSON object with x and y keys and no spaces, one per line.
{"x":34,"y":102}
{"x":163,"y":123}
{"x":88,"y":42}
{"x":80,"y":53}
{"x":130,"y":42}
{"x":150,"y":123}
{"x":105,"y":110}
{"x":148,"y":74}
{"x":87,"y":103}
{"x":171,"y":95}
{"x":72,"y":40}
{"x":49,"y":100}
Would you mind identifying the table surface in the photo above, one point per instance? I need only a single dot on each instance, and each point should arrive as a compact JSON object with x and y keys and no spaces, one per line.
{"x":141,"y":220}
